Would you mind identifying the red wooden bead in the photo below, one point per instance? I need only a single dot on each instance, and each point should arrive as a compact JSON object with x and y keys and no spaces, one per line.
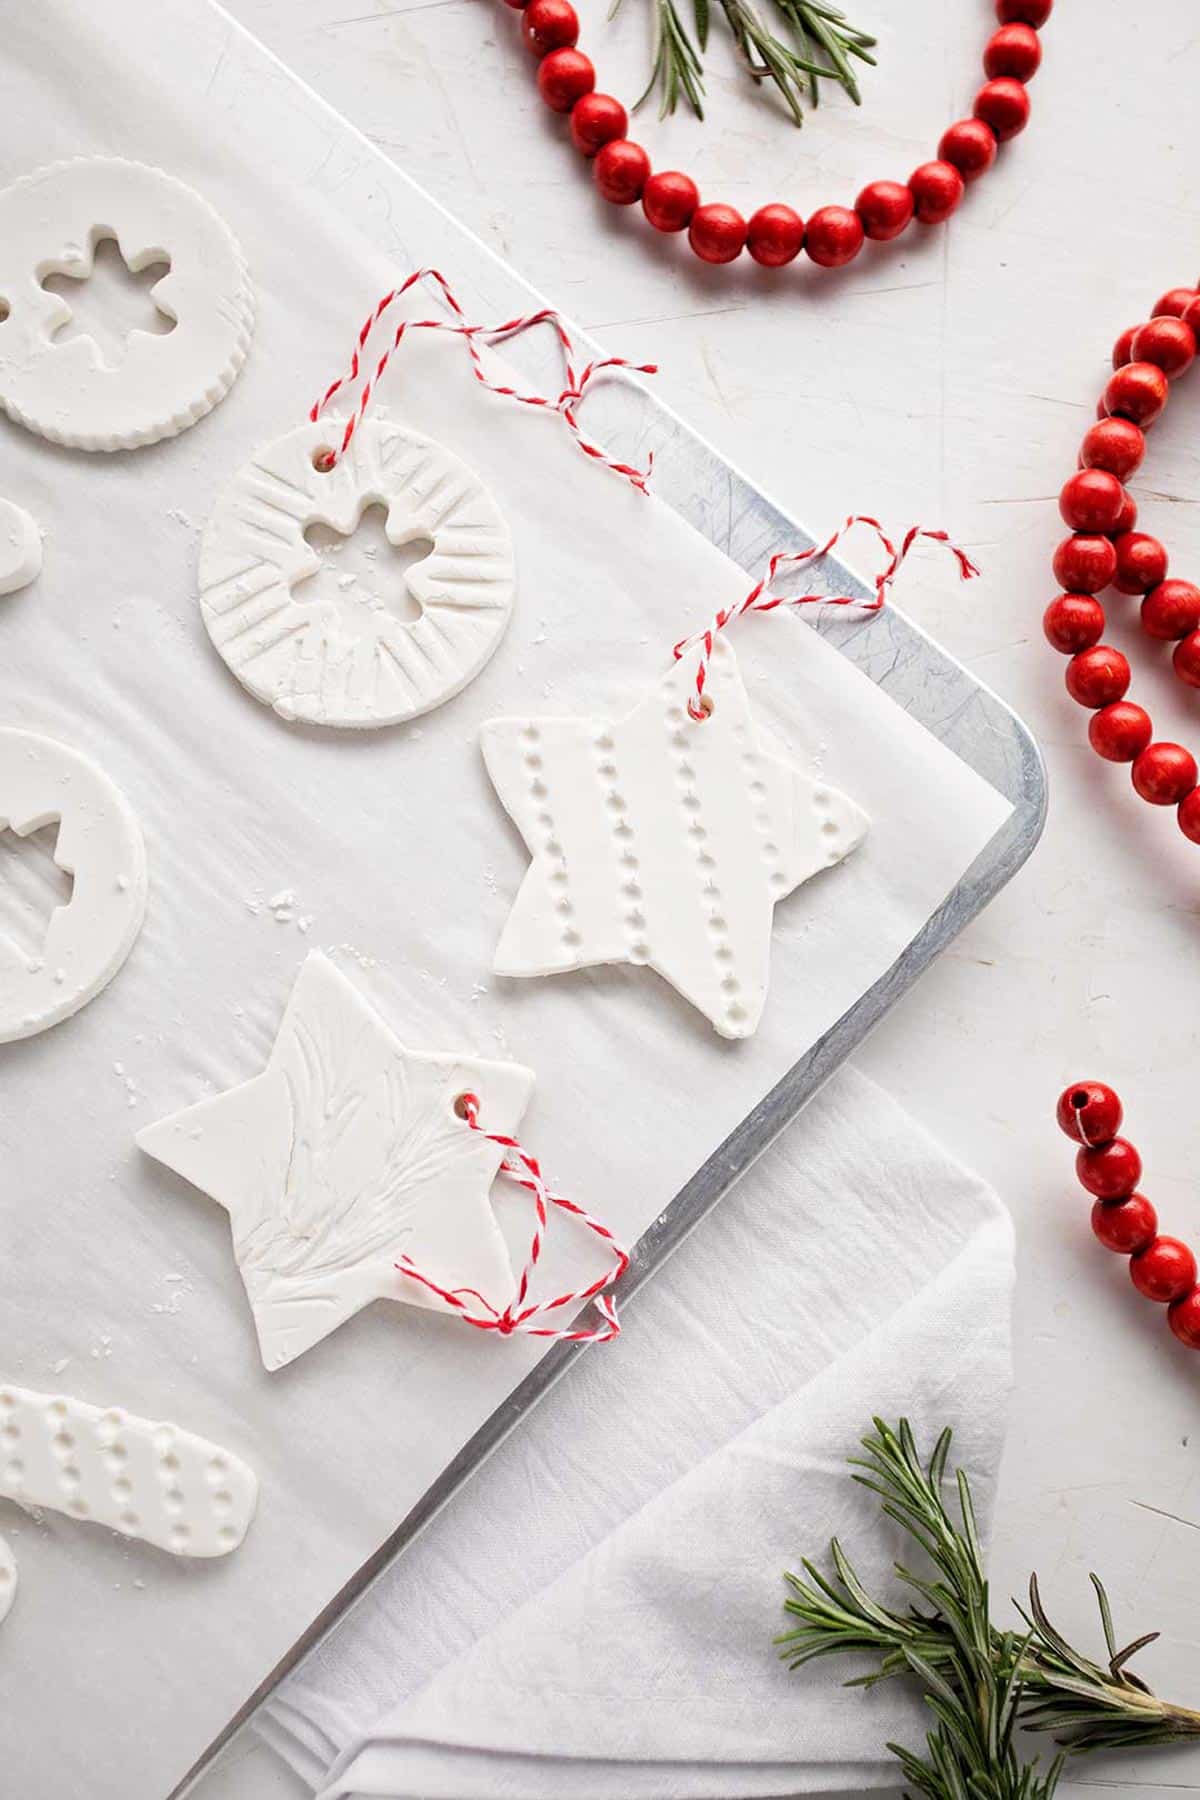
{"x":1117,"y":445}
{"x":669,"y":199}
{"x":1191,"y":312}
{"x":1183,"y":1316}
{"x":1187,"y":659}
{"x":717,"y":233}
{"x":596,"y":119}
{"x":1089,"y":1112}
{"x":1171,"y":610}
{"x":1164,"y":1271}
{"x":1014,"y":50}
{"x":1138,"y":392}
{"x":549,"y":25}
{"x":1090,"y":500}
{"x":564,"y":77}
{"x":620,"y":171}
{"x":1004,"y":105}
{"x":1109,"y":1171}
{"x":1119,"y":732}
{"x":1025,"y":12}
{"x":885,"y":208}
{"x":1097,"y":677}
{"x":1126,"y":1226}
{"x":1084,"y":564}
{"x":1126,"y":518}
{"x":775,"y":235}
{"x":937,"y":188}
{"x":1189,"y":815}
{"x":834,"y":236}
{"x":1174,"y":303}
{"x":1122,"y":353}
{"x":970,"y":145}
{"x":1141,"y":562}
{"x":1168,"y":343}
{"x":1164,"y":774}
{"x":1073,"y":622}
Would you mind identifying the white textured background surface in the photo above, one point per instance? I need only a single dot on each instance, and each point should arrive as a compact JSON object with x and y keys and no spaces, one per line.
{"x":947,"y":379}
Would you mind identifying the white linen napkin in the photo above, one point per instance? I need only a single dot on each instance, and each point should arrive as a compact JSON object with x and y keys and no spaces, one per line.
{"x":592,"y":1616}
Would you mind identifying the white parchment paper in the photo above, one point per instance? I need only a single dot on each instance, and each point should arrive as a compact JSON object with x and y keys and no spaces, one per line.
{"x":118,"y":1663}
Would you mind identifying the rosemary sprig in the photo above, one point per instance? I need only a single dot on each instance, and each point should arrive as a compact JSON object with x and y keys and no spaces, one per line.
{"x":980,"y":1682}
{"x":818,"y":47}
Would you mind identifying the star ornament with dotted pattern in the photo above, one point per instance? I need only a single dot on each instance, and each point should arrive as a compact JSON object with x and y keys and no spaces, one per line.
{"x":661,"y":839}
{"x":346,"y":1153}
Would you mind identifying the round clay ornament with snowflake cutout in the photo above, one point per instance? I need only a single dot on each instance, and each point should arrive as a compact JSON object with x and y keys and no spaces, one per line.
{"x":356,"y":661}
{"x":100,"y":845}
{"x":60,"y":384}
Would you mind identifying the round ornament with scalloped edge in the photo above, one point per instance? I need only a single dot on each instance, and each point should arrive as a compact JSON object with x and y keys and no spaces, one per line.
{"x":64,"y":388}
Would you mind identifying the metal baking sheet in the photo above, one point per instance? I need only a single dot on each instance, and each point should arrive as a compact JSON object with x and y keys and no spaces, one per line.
{"x":914,"y":671}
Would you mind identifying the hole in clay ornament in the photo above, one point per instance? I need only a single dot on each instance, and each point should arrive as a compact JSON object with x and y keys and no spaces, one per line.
{"x":706,"y":705}
{"x":112,"y":302}
{"x":322,"y":459}
{"x":32,"y":887}
{"x":5,"y":309}
{"x":464,"y":1105}
{"x":362,"y":571}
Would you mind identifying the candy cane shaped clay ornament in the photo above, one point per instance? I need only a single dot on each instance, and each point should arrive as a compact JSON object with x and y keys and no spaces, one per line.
{"x":8,"y":1579}
{"x":143,"y":1478}
{"x":20,"y":548}
{"x":62,"y":388}
{"x":100,"y":845}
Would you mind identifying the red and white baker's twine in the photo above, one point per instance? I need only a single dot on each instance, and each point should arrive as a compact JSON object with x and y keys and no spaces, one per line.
{"x":522,"y":1314}
{"x":564,"y":404}
{"x":760,"y":600}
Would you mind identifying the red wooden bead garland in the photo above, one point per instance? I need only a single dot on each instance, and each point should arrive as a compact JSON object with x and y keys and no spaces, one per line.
{"x":1161,"y":1268}
{"x":776,"y":233}
{"x":1094,"y":501}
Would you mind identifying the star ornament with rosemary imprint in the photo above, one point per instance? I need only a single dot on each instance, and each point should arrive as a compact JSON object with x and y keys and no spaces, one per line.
{"x":662,"y":839}
{"x":345,"y":1154}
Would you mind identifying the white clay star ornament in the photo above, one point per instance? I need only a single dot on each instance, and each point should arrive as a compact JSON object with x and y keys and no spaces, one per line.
{"x":663,"y":839}
{"x":345,"y":1155}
